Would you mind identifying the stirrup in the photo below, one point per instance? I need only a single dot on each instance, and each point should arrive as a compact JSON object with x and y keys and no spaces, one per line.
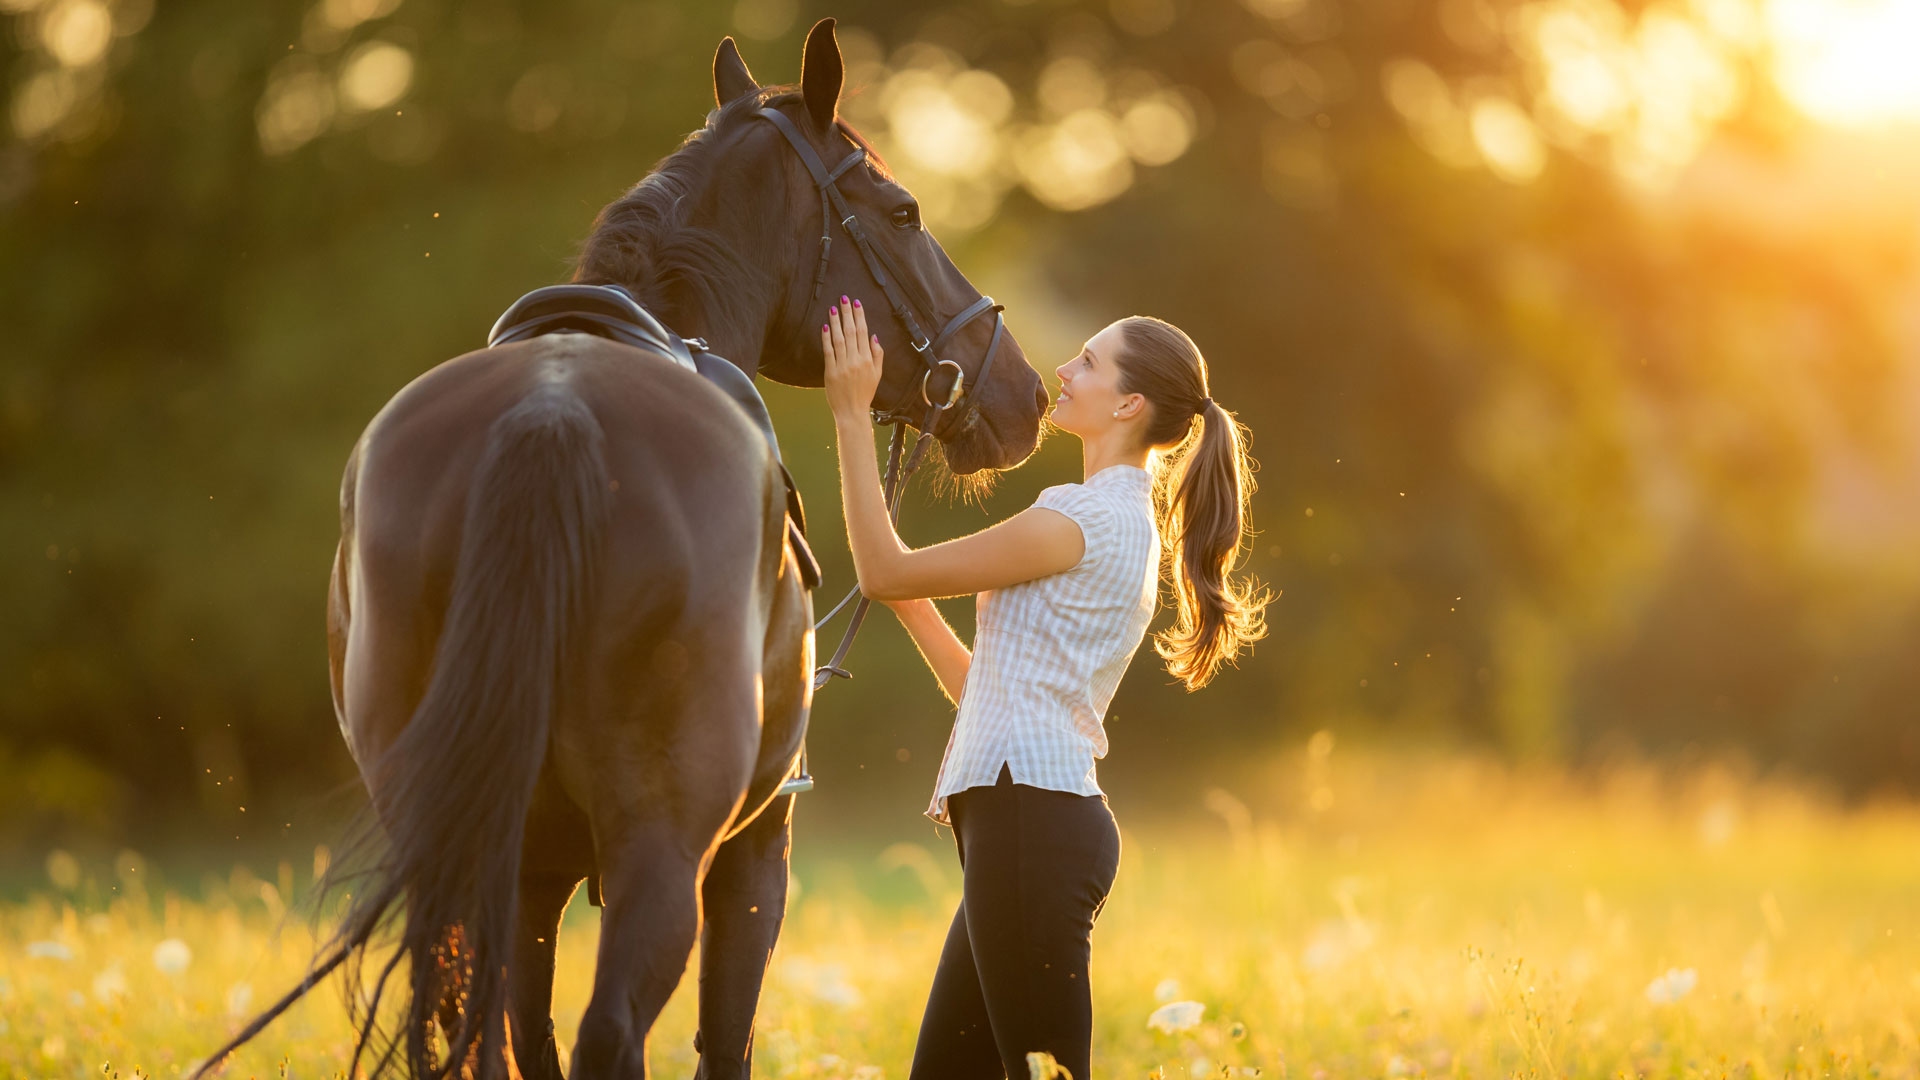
{"x":794,"y":785}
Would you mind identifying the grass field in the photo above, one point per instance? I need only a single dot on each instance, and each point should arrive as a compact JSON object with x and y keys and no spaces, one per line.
{"x":1361,"y":916}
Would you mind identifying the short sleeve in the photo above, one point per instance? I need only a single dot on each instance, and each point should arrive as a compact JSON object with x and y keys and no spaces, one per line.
{"x":1085,"y":509}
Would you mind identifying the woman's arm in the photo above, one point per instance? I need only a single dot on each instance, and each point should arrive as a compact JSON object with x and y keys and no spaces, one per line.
{"x":938,"y":644}
{"x":1033,"y":543}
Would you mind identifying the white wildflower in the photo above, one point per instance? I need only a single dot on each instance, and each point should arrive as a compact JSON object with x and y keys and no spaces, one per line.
{"x":1166,"y":990}
{"x":49,"y":950}
{"x":109,"y":985}
{"x":1672,"y":986}
{"x":172,"y":956}
{"x":1333,"y":943}
{"x":239,"y":996}
{"x":1175,"y":1016}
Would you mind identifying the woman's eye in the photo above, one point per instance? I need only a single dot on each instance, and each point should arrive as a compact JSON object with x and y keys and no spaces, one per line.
{"x":906,"y":217}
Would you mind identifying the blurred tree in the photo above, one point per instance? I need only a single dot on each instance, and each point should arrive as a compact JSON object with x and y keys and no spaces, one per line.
{"x":1580,"y":374}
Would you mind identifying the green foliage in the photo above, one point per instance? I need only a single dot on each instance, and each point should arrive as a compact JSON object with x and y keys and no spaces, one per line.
{"x":1545,"y":464}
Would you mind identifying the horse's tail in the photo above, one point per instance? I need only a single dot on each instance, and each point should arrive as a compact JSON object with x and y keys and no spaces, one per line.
{"x":452,"y":792}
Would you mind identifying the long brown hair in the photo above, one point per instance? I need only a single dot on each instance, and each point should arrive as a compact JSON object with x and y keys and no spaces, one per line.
{"x":1202,"y":484}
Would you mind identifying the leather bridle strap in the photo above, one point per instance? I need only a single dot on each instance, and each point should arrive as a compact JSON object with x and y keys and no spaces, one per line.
{"x":887,"y":275}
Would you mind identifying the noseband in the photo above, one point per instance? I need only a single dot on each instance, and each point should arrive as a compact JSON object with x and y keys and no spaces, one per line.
{"x":833,"y":205}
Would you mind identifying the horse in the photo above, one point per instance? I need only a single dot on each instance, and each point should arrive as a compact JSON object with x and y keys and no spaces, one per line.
{"x":567,"y":636}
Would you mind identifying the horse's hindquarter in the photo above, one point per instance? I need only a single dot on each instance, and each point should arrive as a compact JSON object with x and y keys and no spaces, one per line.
{"x":697,"y":596}
{"x":687,"y":588}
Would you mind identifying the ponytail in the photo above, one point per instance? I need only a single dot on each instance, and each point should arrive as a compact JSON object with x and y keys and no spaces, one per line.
{"x":1202,"y":488}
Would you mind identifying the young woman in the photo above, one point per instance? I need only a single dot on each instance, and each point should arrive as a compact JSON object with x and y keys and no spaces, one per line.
{"x":1065,"y":590}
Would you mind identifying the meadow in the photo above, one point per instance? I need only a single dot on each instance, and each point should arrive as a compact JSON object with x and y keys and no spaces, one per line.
{"x":1330,"y":914}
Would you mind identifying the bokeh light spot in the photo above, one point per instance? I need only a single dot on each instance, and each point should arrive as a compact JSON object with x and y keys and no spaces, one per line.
{"x":1070,"y":84}
{"x":44,"y":100}
{"x":347,"y":14}
{"x":1507,"y":139}
{"x":297,"y":106}
{"x":538,"y":98}
{"x":764,"y":20}
{"x":1157,"y":130}
{"x":76,"y":32}
{"x":374,"y":76}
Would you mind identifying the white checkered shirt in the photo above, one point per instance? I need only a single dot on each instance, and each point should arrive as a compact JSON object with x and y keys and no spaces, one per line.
{"x":1048,"y":653}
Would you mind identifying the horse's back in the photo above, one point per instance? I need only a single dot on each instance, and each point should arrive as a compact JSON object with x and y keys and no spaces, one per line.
{"x":692,"y":504}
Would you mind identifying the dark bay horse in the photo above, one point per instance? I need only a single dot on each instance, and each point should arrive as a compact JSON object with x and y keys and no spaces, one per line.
{"x":567,"y":637}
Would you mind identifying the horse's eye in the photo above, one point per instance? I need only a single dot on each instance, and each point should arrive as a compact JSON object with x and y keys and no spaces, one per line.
{"x":906,"y":217}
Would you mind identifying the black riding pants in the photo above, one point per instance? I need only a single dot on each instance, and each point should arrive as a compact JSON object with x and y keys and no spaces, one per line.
{"x":1036,"y":866}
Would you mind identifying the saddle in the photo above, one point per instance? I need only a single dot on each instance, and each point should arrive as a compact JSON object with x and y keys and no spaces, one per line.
{"x":611,"y":312}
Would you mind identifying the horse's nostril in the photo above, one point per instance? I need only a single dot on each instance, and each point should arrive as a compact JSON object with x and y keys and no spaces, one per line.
{"x":1040,"y":397}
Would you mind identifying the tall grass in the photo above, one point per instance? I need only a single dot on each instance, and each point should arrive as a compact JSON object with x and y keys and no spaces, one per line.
{"x":1338,"y":915}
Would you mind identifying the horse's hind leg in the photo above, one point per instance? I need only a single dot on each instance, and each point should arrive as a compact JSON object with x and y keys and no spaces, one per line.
{"x":651,"y":915}
{"x":745,"y":899}
{"x":665,"y":788}
{"x":543,"y":899}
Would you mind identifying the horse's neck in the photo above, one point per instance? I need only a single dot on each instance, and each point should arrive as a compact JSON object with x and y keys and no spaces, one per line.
{"x":740,"y":344}
{"x":741,"y":334}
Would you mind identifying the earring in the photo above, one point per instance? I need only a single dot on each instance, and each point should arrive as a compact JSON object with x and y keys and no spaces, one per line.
{"x":1116,"y":414}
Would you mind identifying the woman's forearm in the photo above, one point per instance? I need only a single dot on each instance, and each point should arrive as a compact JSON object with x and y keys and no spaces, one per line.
{"x":938,"y":644}
{"x":876,"y":547}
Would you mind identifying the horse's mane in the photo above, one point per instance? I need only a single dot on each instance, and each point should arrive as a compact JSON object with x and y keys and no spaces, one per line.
{"x":642,"y":240}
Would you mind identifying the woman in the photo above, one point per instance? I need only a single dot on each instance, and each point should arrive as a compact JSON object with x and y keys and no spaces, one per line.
{"x":1065,"y":592}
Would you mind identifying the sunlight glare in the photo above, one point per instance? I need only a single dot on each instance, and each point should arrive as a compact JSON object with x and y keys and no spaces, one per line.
{"x":1848,"y":62}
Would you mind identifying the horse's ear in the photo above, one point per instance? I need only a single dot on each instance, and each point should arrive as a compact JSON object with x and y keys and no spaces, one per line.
{"x":730,"y":75}
{"x":821,"y":73}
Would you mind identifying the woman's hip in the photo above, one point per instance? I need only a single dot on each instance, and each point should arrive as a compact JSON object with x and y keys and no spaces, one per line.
{"x":1067,"y":840}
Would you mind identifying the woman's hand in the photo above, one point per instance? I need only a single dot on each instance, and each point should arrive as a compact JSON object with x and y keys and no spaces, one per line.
{"x":853,"y":360}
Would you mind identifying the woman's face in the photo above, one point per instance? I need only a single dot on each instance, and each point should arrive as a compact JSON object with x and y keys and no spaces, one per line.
{"x":1090,"y":388}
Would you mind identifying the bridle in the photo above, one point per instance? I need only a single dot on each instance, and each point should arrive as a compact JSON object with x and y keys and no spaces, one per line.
{"x":887,"y":275}
{"x":833,"y":205}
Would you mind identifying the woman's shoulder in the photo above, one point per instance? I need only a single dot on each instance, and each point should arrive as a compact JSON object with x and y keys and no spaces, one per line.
{"x":1104,"y":506}
{"x":1070,"y":499}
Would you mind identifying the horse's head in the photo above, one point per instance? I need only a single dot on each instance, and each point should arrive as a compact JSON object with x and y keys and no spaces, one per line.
{"x":993,"y":420}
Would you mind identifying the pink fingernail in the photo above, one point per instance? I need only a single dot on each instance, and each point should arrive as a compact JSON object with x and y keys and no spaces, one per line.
{"x":876,"y":339}
{"x":823,"y":328}
{"x":856,"y":303}
{"x":834,"y":310}
{"x":843,"y":299}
